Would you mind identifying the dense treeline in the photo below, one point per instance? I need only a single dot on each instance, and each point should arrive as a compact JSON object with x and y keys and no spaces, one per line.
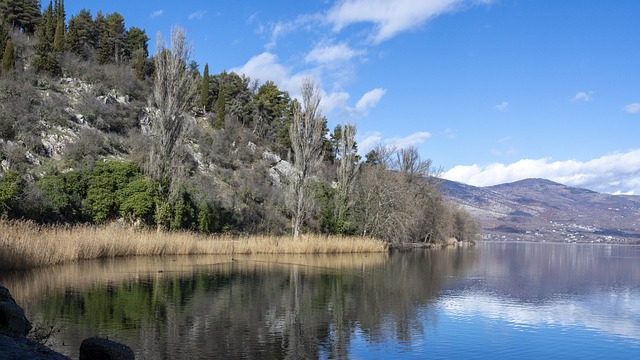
{"x":93,"y":129}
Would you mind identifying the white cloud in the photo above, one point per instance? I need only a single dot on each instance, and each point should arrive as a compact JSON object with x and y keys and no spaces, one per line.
{"x":414,"y":139}
{"x":618,"y":172}
{"x":632,"y":108}
{"x":503,"y":106}
{"x":324,"y":53}
{"x":389,"y":17}
{"x":198,"y":15}
{"x":266,"y":66}
{"x":583,"y":96}
{"x":369,"y":100}
{"x":369,"y":141}
{"x":335,"y":100}
{"x":157,"y":13}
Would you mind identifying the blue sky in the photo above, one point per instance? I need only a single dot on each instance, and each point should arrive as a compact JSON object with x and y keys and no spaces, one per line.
{"x":492,"y":91}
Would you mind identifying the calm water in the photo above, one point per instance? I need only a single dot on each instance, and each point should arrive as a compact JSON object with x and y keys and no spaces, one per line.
{"x":497,"y":300}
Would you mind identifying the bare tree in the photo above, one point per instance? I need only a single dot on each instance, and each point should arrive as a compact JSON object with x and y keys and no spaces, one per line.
{"x":306,"y":142}
{"x":173,"y":94}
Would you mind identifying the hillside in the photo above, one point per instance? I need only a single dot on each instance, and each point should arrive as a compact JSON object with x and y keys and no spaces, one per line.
{"x":94,"y":130}
{"x":539,"y":209}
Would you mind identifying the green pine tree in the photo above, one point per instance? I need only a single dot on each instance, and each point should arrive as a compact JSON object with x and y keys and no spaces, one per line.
{"x":204,"y":89}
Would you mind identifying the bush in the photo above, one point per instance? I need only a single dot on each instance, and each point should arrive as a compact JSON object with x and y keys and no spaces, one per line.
{"x":10,"y":189}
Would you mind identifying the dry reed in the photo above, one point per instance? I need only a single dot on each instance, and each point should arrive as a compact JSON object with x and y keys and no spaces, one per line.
{"x":25,"y":244}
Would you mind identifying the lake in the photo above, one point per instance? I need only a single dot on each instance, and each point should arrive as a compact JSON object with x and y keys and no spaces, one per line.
{"x":495,"y":300}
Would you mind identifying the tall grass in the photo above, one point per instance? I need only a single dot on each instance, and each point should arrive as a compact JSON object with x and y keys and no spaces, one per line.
{"x":25,"y":244}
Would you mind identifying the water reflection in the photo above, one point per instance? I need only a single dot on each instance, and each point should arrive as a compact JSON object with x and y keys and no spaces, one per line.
{"x":594,"y":287}
{"x":498,"y":300}
{"x":247,"y":307}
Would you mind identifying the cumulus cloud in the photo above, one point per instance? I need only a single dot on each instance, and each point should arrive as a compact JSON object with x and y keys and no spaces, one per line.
{"x":388,"y":17}
{"x":266,"y":66}
{"x":325,"y":53}
{"x":632,"y":108}
{"x":157,"y":13}
{"x":197,"y":15}
{"x":369,"y":100}
{"x":583,"y":96}
{"x":414,"y":139}
{"x":503,"y":106}
{"x":369,"y":141}
{"x":616,"y":173}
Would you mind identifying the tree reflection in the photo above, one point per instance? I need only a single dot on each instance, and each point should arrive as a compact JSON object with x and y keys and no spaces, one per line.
{"x":285,"y":308}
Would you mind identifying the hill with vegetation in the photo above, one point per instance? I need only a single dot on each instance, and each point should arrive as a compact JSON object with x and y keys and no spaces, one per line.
{"x":543,"y":210}
{"x":93,"y":129}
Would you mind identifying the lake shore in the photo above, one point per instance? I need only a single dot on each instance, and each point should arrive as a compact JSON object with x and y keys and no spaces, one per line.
{"x":27,"y":245}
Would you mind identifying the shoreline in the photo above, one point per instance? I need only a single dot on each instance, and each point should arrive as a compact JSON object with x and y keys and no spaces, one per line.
{"x":28,"y":245}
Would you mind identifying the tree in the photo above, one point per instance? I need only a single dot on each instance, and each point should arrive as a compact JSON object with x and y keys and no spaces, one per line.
{"x":174,"y":90}
{"x":45,"y":59}
{"x":137,"y":39}
{"x":270,"y":106}
{"x":8,"y":59}
{"x":204,"y":89}
{"x":81,"y":36}
{"x":306,"y":140}
{"x":112,"y":35}
{"x":347,"y":170}
{"x":20,"y":14}
{"x":58,"y":40}
{"x":220,"y":102}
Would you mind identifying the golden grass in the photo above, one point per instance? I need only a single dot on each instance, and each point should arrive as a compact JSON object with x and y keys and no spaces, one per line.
{"x":25,"y":244}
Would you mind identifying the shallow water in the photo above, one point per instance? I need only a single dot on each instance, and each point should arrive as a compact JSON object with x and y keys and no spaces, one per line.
{"x":497,"y":300}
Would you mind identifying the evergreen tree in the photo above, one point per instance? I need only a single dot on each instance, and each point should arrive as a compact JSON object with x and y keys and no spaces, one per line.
{"x":137,"y":40}
{"x":45,"y":59}
{"x":8,"y":59}
{"x":81,"y":37}
{"x":220,"y":108}
{"x":60,"y":27}
{"x":112,"y":45}
{"x":4,"y":35}
{"x":58,"y":40}
{"x":204,"y":89}
{"x":20,"y":14}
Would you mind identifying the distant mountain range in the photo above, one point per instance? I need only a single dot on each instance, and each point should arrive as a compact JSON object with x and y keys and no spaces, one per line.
{"x":542,"y":210}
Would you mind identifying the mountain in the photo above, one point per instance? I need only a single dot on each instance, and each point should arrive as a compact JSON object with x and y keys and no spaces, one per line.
{"x":539,"y":209}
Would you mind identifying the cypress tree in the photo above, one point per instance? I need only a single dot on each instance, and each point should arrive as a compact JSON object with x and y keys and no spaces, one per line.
{"x":58,"y":40}
{"x":8,"y":59}
{"x":220,"y":108}
{"x":204,"y":89}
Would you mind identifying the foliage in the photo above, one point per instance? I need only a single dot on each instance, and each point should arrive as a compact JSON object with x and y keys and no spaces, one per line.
{"x":10,"y":188}
{"x":8,"y":59}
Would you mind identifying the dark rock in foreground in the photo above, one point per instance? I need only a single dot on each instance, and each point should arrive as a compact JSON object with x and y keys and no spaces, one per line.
{"x":14,"y":327}
{"x":96,"y":348}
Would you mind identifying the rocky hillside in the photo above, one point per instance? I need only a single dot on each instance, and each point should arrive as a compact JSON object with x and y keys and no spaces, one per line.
{"x":542,"y":210}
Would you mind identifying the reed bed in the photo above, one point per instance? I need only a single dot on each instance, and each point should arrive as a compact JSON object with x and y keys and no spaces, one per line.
{"x":26,"y":245}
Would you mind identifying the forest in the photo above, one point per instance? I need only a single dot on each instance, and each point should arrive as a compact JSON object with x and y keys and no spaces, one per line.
{"x":95,"y":130}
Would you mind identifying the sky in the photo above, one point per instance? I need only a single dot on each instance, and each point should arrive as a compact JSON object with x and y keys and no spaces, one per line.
{"x":492,"y":91}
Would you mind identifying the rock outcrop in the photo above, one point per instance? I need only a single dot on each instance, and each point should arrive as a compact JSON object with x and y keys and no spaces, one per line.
{"x":14,"y":327}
